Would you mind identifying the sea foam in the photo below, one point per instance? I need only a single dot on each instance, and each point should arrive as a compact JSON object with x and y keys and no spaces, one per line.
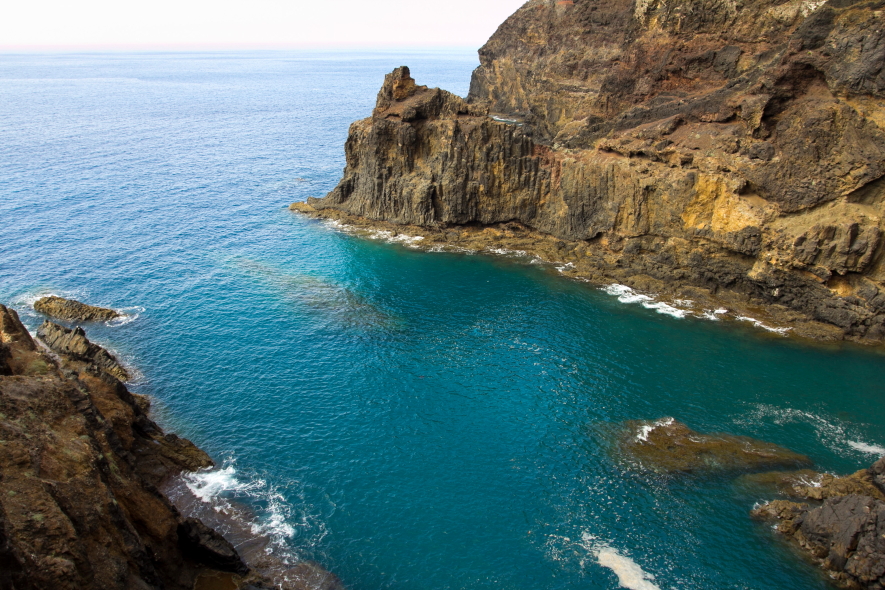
{"x":276,"y":517}
{"x":630,"y":574}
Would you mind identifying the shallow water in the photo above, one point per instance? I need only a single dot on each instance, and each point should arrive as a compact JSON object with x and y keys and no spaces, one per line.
{"x":408,"y":419}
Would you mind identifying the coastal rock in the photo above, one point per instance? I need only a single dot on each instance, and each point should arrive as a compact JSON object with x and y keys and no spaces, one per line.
{"x":699,"y":145}
{"x":81,"y":470}
{"x":669,"y":446}
{"x":844,"y":530}
{"x":73,"y":342}
{"x":204,"y":545}
{"x":73,"y":310}
{"x":846,"y":535}
{"x":810,"y":485}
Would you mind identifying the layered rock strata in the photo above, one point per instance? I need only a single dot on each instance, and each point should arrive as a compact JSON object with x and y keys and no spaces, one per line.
{"x":845,"y":532}
{"x":81,"y":464}
{"x":73,"y":310}
{"x":689,"y":143}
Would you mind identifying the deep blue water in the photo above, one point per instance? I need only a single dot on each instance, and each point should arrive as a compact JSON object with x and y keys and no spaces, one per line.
{"x":411,"y":420}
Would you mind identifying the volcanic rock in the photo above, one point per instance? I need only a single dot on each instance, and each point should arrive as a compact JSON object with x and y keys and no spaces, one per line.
{"x":73,"y":342}
{"x":81,"y":466}
{"x":204,"y":545}
{"x":73,"y":310}
{"x":845,"y":532}
{"x":697,"y":144}
{"x":669,"y":446}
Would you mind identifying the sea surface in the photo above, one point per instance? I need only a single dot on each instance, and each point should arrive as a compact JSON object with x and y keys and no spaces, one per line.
{"x":410,"y":420}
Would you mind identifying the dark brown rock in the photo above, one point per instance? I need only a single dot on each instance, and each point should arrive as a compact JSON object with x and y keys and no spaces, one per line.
{"x":845,"y":532}
{"x":668,"y":446}
{"x":811,"y":485}
{"x":73,"y":310}
{"x":204,"y":545}
{"x":73,"y":342}
{"x":81,"y":470}
{"x":738,"y":148}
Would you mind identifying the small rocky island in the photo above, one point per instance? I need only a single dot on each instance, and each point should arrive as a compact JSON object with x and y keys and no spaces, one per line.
{"x":700,"y":150}
{"x":73,"y":310}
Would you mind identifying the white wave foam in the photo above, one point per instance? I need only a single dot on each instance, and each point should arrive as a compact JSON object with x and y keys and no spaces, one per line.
{"x":630,"y":574}
{"x":625,"y":294}
{"x":218,"y":487}
{"x":646,"y":429}
{"x":666,"y":309}
{"x":564,"y":267}
{"x":758,"y":324}
{"x":506,"y":252}
{"x":713,"y":314}
{"x":127,"y":316}
{"x":863,"y":447}
{"x":832,"y":433}
{"x":374,"y":234}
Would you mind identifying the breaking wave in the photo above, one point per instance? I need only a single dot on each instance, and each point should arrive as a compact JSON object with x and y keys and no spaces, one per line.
{"x":225,"y":489}
{"x":681,"y":308}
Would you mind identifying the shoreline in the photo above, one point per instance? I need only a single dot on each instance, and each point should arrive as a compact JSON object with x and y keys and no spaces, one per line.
{"x":571,"y":259}
{"x":94,"y":490}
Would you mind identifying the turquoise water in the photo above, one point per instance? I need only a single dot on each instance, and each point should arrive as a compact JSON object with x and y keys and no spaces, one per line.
{"x":411,"y":420}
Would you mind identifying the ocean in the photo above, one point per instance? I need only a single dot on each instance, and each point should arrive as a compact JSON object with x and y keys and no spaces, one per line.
{"x":408,"y":419}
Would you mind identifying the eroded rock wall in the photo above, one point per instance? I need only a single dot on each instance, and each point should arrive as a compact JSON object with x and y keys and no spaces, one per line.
{"x":714,"y":143}
{"x":80,"y":466}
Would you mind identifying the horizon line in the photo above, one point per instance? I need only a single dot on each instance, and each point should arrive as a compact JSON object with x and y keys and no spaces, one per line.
{"x":207,"y":47}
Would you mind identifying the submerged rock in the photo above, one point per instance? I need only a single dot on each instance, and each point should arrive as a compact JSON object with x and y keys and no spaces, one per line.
{"x":811,"y":485}
{"x":73,"y":342}
{"x":669,"y":446}
{"x":842,"y":527}
{"x":73,"y":310}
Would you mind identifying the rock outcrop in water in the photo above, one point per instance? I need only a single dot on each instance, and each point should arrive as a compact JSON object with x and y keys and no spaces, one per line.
{"x":669,"y":446}
{"x":80,"y":468}
{"x":672,"y":143}
{"x":73,"y":310}
{"x":73,"y":343}
{"x":845,"y":532}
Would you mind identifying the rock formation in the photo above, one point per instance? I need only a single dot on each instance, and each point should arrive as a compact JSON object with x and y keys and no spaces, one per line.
{"x":73,"y":310}
{"x":74,"y":343}
{"x":81,"y":465}
{"x":846,"y":532}
{"x":663,"y":142}
{"x":669,"y":446}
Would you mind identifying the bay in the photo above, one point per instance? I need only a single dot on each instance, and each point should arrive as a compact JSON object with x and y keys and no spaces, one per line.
{"x":408,"y":419}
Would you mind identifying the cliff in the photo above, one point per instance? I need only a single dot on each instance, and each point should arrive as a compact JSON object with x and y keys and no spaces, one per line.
{"x":713,"y":144}
{"x":81,"y":466}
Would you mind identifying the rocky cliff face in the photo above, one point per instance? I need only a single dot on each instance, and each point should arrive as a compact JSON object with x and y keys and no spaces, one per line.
{"x":714,"y":144}
{"x":81,"y":465}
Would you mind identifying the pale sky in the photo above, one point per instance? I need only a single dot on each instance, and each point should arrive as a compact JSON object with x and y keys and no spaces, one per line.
{"x":184,"y":24}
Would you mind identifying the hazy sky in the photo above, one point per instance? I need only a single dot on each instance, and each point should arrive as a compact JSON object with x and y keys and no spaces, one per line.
{"x":237,"y":23}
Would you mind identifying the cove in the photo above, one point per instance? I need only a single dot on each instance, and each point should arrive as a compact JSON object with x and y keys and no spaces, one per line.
{"x":408,"y":419}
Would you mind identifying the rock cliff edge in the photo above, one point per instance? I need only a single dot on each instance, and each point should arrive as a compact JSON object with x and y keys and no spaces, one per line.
{"x":712,"y":144}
